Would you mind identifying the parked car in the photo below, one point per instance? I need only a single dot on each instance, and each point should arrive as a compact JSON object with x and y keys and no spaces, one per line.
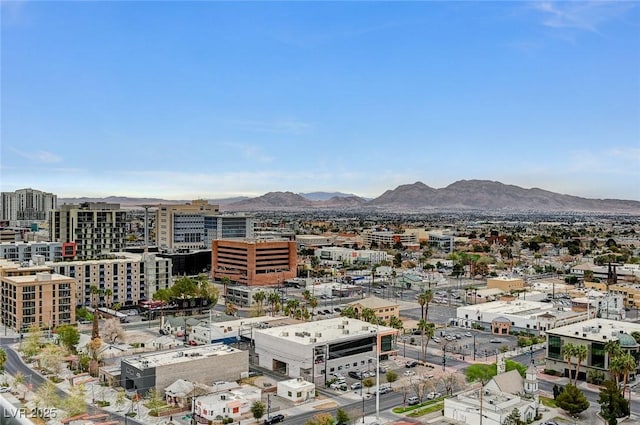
{"x":274,"y":419}
{"x":496,"y":341}
{"x":468,"y":334}
{"x":4,"y":389}
{"x":355,"y":374}
{"x":356,"y":386}
{"x":413,"y":400}
{"x":409,"y":373}
{"x":384,"y":390}
{"x":411,"y":363}
{"x":436,"y":339}
{"x":433,"y":395}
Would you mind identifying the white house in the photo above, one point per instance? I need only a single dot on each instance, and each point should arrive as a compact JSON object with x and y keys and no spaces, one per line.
{"x":227,"y":404}
{"x":297,"y":390}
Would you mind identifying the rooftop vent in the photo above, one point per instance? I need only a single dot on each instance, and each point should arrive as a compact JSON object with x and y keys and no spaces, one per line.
{"x":345,"y":331}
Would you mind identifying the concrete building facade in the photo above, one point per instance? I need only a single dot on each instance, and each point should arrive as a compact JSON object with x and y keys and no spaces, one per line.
{"x":206,"y":363}
{"x":313,"y":350}
{"x":25,"y":206}
{"x":28,"y":251}
{"x":41,"y":299}
{"x":130,"y":277}
{"x":195,"y":225}
{"x":253,"y":262}
{"x":94,"y":229}
{"x":594,"y":334}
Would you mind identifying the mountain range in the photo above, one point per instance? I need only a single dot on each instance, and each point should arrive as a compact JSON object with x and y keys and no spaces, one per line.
{"x":482,"y":195}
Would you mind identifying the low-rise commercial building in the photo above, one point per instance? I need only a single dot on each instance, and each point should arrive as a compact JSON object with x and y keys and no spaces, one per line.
{"x":383,"y":309}
{"x":506,"y":284}
{"x":517,"y":315}
{"x":30,"y":251}
{"x":206,"y":363}
{"x":312,"y":350}
{"x":296,"y":390}
{"x":594,"y":334}
{"x":232,"y":403}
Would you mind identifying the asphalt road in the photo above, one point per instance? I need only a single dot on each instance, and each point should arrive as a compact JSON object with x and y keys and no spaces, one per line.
{"x":15,"y":364}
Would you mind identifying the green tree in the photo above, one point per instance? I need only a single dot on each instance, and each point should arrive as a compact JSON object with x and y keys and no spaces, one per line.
{"x":568,"y":351}
{"x":51,"y":358}
{"x":46,"y":395}
{"x":121,"y":399}
{"x":257,"y":410}
{"x":392,"y":376}
{"x":580,"y":353}
{"x":274,"y":301}
{"x":69,"y":336}
{"x":480,"y":373}
{"x":154,"y":401}
{"x":572,"y":400}
{"x":162,"y":295}
{"x":514,"y":418}
{"x":31,"y":344}
{"x":349,"y":312}
{"x":612,"y":403}
{"x":3,"y":358}
{"x":427,"y":329}
{"x":320,"y":419}
{"x":342,"y":417}
{"x":74,"y":404}
{"x":368,"y":383}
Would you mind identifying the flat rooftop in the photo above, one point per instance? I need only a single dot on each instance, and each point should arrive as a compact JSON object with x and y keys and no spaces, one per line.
{"x":515,"y":307}
{"x":181,"y":355}
{"x":594,"y":329}
{"x":38,"y":278}
{"x":325,"y":331}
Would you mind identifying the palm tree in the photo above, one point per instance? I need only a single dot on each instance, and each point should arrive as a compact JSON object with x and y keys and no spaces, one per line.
{"x":368,"y":315}
{"x":274,"y":300}
{"x":627,"y":365}
{"x":259,"y":298}
{"x":426,"y":329}
{"x":95,"y":298}
{"x":313,"y":303}
{"x":108,"y":293}
{"x":291,"y":307}
{"x":306,"y":295}
{"x":396,"y":323}
{"x":428,"y":297}
{"x":581,"y":353}
{"x":230,"y":309}
{"x":612,"y":348}
{"x":568,"y":351}
{"x":422,"y":300}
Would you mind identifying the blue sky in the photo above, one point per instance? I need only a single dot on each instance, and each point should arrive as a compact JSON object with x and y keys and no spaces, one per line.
{"x":183,"y":100}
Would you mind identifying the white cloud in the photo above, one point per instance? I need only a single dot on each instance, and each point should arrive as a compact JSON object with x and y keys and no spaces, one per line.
{"x":281,"y":126}
{"x":38,"y":156}
{"x":581,"y":15}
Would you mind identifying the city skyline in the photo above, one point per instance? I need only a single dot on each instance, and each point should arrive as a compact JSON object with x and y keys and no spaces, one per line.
{"x":219,"y":99}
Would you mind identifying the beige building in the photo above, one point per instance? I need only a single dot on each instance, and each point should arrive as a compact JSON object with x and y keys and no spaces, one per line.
{"x":40,"y":299}
{"x":129,"y":277}
{"x":630,"y":292}
{"x":506,"y":284}
{"x":383,"y":309}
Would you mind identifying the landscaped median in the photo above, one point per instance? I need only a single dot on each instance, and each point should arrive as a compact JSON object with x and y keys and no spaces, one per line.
{"x":421,"y":409}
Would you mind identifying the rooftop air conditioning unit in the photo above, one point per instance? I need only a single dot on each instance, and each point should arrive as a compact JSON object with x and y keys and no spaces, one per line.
{"x":365,"y":328}
{"x":318,"y":334}
{"x":312,"y":340}
{"x":285,"y":333}
{"x":345,"y":331}
{"x":340,"y":326}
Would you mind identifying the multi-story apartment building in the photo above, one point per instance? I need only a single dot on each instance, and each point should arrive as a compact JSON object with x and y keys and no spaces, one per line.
{"x":26,"y":205}
{"x":442,"y":241}
{"x":195,"y":225}
{"x":125,"y":279}
{"x":27,"y":251}
{"x":91,"y":229}
{"x":254,"y":263}
{"x":43,"y":299}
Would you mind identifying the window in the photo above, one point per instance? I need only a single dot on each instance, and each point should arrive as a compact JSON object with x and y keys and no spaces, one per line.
{"x":555,"y":347}
{"x":299,"y":394}
{"x":597,"y":354}
{"x":289,"y":393}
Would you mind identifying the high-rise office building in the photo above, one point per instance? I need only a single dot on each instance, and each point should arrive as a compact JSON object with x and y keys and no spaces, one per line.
{"x":197,"y":224}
